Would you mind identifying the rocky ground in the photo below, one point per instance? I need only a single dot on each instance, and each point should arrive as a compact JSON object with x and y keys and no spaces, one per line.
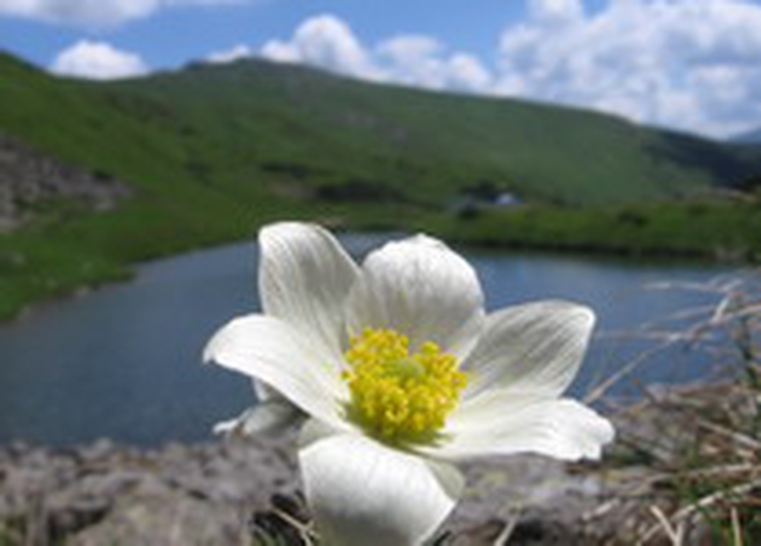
{"x":206,"y":494}
{"x":29,"y":177}
{"x":231,"y":491}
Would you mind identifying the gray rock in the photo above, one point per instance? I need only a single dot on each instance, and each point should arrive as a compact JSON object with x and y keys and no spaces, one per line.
{"x":205,"y":494}
{"x":172,"y":519}
{"x":29,"y":177}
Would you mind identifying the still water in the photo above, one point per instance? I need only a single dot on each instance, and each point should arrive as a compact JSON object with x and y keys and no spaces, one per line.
{"x":124,"y":361}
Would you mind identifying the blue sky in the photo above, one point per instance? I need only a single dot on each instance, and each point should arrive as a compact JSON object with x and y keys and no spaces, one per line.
{"x":693,"y":65}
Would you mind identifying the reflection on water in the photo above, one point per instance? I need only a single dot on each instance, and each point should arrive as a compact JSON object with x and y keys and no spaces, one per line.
{"x":125,"y":362}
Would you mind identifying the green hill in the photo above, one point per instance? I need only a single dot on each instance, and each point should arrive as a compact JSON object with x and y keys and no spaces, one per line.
{"x":211,"y":151}
{"x":254,"y":123}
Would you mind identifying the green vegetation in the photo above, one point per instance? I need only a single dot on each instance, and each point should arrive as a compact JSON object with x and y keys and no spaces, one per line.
{"x":291,"y":132}
{"x":213,"y":152}
{"x":713,"y":229}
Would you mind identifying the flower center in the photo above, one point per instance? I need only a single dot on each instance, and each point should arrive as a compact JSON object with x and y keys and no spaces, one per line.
{"x":398,"y":396}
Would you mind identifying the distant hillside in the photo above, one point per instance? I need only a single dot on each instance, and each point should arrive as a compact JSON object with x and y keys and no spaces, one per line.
{"x":749,"y":137}
{"x":299,"y":133}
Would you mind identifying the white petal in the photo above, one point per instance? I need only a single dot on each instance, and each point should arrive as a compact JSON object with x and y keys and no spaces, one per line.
{"x":366,"y":494}
{"x":272,"y":415}
{"x":533,"y":348}
{"x":269,"y":350}
{"x":269,"y":417}
{"x":501,"y":424}
{"x":304,"y":279}
{"x":265,"y":393}
{"x":422,"y":289}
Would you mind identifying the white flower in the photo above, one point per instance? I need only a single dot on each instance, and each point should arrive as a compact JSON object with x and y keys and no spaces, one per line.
{"x":399,"y":373}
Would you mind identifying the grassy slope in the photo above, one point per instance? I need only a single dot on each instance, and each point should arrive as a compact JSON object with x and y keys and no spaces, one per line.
{"x":430,"y":145}
{"x":215,"y":151}
{"x":222,"y":123}
{"x":725,"y":230}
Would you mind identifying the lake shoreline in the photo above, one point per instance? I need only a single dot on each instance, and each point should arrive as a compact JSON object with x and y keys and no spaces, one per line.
{"x":126,"y":272}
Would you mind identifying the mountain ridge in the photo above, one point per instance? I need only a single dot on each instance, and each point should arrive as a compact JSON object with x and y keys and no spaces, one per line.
{"x":748,"y":137}
{"x":416,"y":142}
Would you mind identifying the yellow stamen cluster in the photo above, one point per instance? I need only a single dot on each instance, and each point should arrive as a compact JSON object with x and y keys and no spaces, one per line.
{"x":398,"y":396}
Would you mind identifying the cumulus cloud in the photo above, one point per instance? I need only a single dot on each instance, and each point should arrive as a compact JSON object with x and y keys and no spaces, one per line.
{"x":555,"y":11}
{"x":240,"y":51}
{"x":465,"y":72}
{"x":328,"y":42}
{"x":690,"y":64}
{"x":98,"y":61}
{"x":423,"y":61}
{"x":95,"y":13}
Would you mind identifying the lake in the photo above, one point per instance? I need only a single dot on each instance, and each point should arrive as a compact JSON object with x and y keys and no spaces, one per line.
{"x":124,"y":360}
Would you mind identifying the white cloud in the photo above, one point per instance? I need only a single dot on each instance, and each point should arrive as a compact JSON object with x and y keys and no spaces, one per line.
{"x":423,"y":61}
{"x":555,"y":11}
{"x":413,"y":60}
{"x":328,"y":42}
{"x":690,"y":64}
{"x":466,"y":72}
{"x":98,"y":61}
{"x":88,"y":12}
{"x":96,"y":13}
{"x":240,"y":51}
